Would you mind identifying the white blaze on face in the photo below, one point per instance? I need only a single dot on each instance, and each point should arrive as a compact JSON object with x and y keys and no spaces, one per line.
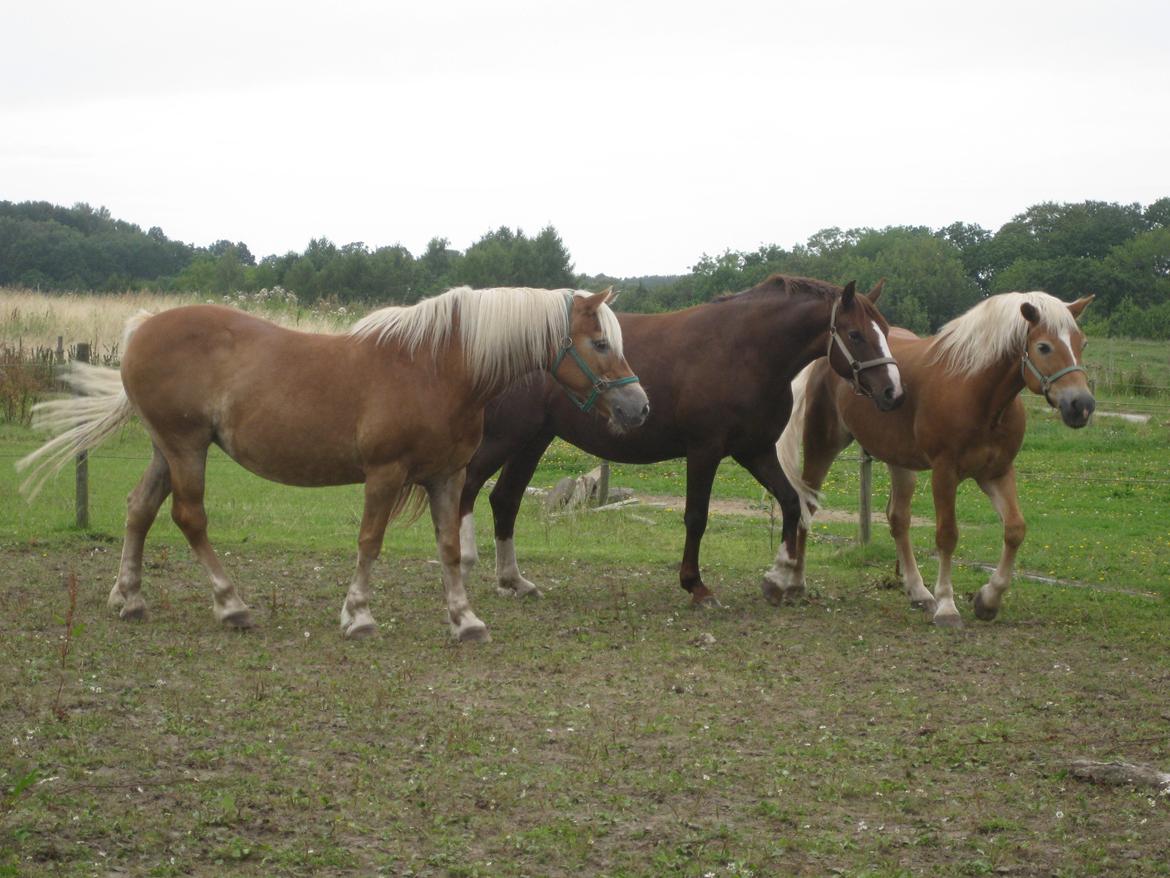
{"x":895,"y":375}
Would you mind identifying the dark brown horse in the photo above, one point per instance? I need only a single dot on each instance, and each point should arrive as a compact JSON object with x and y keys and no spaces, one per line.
{"x":718,"y":377}
{"x":963,"y":419}
{"x":396,"y":403}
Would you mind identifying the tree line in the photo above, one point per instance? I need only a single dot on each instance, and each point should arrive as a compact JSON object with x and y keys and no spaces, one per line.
{"x":1120,"y":252}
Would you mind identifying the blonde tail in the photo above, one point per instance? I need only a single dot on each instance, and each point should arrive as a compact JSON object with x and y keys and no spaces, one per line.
{"x":79,"y":422}
{"x":788,"y":448}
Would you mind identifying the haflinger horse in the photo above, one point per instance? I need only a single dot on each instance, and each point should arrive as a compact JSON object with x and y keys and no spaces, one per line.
{"x":395,"y":403}
{"x":963,"y":419}
{"x":719,"y":376}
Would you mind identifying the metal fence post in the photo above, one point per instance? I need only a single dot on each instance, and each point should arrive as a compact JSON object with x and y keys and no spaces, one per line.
{"x":83,"y":461}
{"x":864,"y":509}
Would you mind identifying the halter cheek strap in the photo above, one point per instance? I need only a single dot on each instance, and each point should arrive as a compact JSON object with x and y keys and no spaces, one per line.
{"x":1046,"y":381}
{"x":600,"y":385}
{"x":858,"y":366}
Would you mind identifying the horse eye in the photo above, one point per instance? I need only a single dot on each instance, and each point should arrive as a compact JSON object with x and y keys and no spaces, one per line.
{"x":856,"y":336}
{"x":1044,"y":347}
{"x":600,"y":344}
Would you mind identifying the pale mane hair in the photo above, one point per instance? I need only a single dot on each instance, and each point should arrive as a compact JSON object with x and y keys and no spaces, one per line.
{"x":504,"y":331}
{"x":995,"y":330}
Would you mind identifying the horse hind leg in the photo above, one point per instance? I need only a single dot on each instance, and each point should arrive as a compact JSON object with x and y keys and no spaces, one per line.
{"x":383,"y":494}
{"x":902,"y":483}
{"x":142,"y":507}
{"x":444,"y":499}
{"x":1003,"y":496}
{"x":505,"y":500}
{"x":188,"y":470}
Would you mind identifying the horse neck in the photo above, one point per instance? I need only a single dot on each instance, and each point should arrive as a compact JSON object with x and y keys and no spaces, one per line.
{"x":802,"y":321}
{"x":997,"y":386}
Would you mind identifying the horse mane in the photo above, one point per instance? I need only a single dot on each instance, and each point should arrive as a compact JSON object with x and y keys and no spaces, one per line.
{"x":995,"y":330}
{"x":505,"y":331}
{"x":778,"y":284}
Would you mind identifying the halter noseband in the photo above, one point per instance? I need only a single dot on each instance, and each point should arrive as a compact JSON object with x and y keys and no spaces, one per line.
{"x":1046,"y":381}
{"x":600,"y":385}
{"x":858,"y":366}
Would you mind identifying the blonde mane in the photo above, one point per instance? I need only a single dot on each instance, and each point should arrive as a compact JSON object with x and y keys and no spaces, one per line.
{"x":505,"y":331}
{"x":995,"y":330}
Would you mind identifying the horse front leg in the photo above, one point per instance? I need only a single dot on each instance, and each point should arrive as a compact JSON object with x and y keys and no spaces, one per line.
{"x":444,"y":496}
{"x":784,"y":582}
{"x":944,"y":485}
{"x":1002,"y":492}
{"x":902,"y":483}
{"x":701,"y":467}
{"x":383,"y":494}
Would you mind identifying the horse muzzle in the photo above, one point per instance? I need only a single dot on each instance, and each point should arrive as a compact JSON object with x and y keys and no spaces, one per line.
{"x":1076,"y":408}
{"x":628,"y":407}
{"x":888,"y":398}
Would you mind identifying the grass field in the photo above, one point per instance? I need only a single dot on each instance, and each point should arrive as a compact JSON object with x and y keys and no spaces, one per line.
{"x":607,"y":729}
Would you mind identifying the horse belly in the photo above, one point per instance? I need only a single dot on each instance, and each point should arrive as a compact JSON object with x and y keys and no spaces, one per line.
{"x":301,"y":455}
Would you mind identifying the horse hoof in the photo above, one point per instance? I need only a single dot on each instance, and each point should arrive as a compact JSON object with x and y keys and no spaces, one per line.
{"x":508,"y":591}
{"x":133,"y":612}
{"x":927,"y":606}
{"x":982,"y":611}
{"x":948,"y":621}
{"x":361,"y":631}
{"x":474,"y":634}
{"x":116,"y":599}
{"x":773,"y":593}
{"x":241,"y":619}
{"x":702,"y":598}
{"x":778,"y":595}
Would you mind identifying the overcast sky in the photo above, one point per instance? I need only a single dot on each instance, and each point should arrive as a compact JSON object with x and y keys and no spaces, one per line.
{"x":646,"y":133}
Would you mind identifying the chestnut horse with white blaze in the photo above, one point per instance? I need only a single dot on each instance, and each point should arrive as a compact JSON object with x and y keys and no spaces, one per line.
{"x":395,"y":403}
{"x":963,"y":419}
{"x":719,"y":375}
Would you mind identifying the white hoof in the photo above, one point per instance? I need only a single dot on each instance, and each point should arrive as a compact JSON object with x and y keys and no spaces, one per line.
{"x":470,"y":630}
{"x":518,"y":588}
{"x":360,"y":624}
{"x":116,"y":599}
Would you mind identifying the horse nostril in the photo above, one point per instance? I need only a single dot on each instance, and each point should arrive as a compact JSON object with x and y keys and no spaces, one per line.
{"x":888,"y":393}
{"x":646,"y":410}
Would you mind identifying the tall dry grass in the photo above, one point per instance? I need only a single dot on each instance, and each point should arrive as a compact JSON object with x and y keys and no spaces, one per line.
{"x":31,"y":320}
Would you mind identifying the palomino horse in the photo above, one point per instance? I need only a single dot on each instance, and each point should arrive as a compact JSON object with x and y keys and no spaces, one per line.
{"x":396,"y":403}
{"x":719,"y":374}
{"x":963,"y":418}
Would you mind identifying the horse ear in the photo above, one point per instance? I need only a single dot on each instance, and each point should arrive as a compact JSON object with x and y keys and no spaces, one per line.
{"x":592,"y":303}
{"x":876,"y":293}
{"x":1080,"y":305}
{"x":1030,"y":313}
{"x":848,"y":293}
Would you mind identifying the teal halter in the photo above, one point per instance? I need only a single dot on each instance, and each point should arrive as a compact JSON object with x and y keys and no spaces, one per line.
{"x":600,"y":385}
{"x":1046,"y":381}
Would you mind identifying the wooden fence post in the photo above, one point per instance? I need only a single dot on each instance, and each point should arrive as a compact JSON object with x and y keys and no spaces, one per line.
{"x":603,"y":484}
{"x":82,"y":461}
{"x":864,"y":508}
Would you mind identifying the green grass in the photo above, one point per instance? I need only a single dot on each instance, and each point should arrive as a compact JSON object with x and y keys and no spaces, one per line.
{"x":598,"y":733}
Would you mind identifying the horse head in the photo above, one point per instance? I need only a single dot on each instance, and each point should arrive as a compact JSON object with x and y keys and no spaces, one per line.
{"x":858,"y":350}
{"x":1052,"y":367}
{"x":598,"y":374}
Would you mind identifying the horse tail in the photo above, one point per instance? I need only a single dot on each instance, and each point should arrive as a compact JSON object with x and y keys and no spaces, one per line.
{"x":79,"y":422}
{"x":788,"y":448}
